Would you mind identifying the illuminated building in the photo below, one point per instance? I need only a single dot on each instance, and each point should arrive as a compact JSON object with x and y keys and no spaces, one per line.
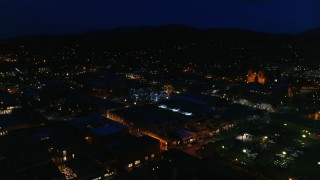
{"x":164,"y":119}
{"x":256,"y":77}
{"x":317,"y":116}
{"x":8,"y":103}
{"x":169,"y":89}
{"x":44,"y":70}
{"x":290,"y":94}
{"x":134,"y":76}
{"x":7,"y":110}
{"x":97,"y":126}
{"x":261,"y":78}
{"x":251,"y":77}
{"x":7,"y":60}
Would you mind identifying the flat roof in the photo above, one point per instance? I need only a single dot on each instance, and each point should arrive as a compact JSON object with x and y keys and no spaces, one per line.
{"x":183,"y":133}
{"x":134,"y":146}
{"x":94,"y":120}
{"x":198,"y":98}
{"x":108,"y":130}
{"x":195,"y":110}
{"x":93,"y":102}
{"x":165,"y":111}
{"x":148,"y":114}
{"x":238,"y":111}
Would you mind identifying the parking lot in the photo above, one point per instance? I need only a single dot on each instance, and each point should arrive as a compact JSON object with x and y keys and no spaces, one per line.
{"x":279,"y":149}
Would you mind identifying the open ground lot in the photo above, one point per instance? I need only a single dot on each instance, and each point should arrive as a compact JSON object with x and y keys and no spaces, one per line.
{"x":276,"y":150}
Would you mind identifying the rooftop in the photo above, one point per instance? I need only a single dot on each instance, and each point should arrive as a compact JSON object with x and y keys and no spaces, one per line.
{"x":109,"y":129}
{"x":183,"y":133}
{"x":91,"y":121}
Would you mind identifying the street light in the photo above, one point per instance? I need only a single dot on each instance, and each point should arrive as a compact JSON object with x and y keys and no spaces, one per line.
{"x":264,"y":139}
{"x":304,"y":136}
{"x":244,"y":151}
{"x":284,"y":153}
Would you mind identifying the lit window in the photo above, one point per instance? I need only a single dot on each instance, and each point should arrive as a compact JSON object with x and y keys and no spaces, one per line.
{"x":108,"y":174}
{"x":152,"y":155}
{"x":130,"y":165}
{"x":146,"y":158}
{"x":137,"y":162}
{"x":64,"y":158}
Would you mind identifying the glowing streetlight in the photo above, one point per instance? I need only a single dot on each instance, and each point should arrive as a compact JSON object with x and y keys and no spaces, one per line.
{"x":244,"y":151}
{"x":264,"y":139}
{"x":304,"y":136}
{"x":284,"y":153}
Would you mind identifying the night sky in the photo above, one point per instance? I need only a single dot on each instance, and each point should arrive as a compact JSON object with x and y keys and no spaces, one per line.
{"x":26,"y":17}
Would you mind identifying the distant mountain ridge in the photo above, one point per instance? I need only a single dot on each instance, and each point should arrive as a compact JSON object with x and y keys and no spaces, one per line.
{"x":220,"y":44}
{"x":315,"y":32}
{"x":171,"y":29}
{"x":139,"y":30}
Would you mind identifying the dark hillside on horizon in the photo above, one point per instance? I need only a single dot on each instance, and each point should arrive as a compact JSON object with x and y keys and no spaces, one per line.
{"x":182,"y":43}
